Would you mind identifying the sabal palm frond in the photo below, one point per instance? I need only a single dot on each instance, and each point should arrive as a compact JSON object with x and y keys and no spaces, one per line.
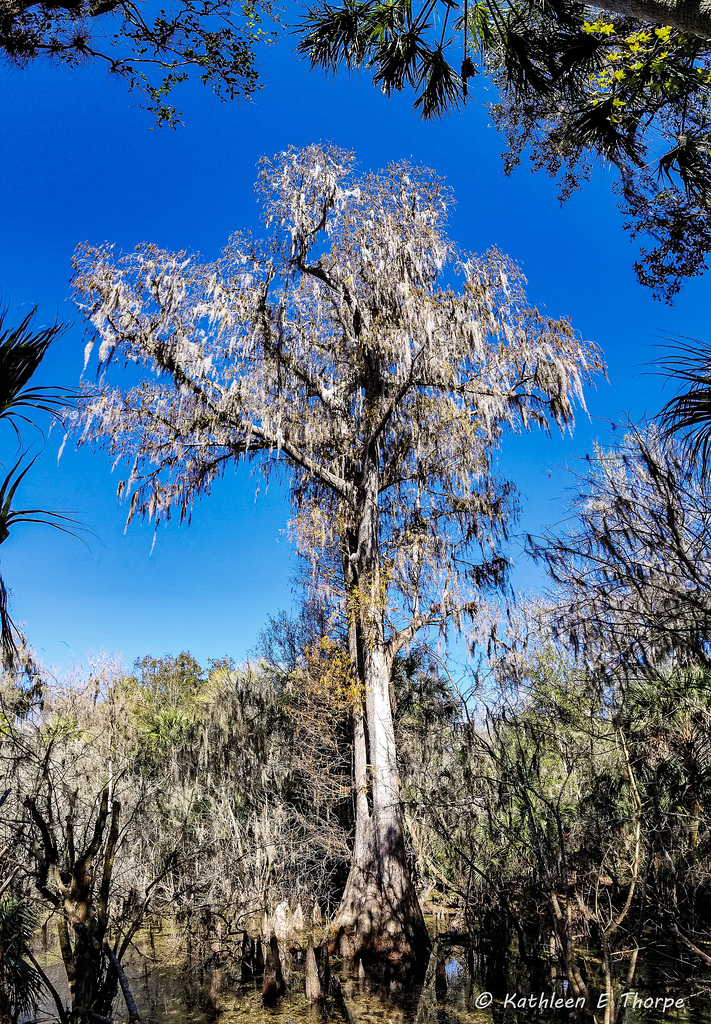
{"x":21,"y":351}
{"x":21,"y":982}
{"x":688,"y":413}
{"x":10,"y":517}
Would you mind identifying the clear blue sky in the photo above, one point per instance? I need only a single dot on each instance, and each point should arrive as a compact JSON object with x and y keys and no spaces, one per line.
{"x":79,"y":161}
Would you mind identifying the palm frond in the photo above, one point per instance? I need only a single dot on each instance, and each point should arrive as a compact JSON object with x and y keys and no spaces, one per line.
{"x":481,"y":27}
{"x":442,"y":85}
{"x":689,"y":159}
{"x":21,"y":351}
{"x":9,"y":517}
{"x":334,"y":35}
{"x":22,"y":983}
{"x":598,"y":129}
{"x":576,"y":56}
{"x":396,"y":59}
{"x":688,"y":413}
{"x":525,"y":69}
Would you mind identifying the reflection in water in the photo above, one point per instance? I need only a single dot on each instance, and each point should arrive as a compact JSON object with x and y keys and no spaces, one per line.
{"x":456,"y":989}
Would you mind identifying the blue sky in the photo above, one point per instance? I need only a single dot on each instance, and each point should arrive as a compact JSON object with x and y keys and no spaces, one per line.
{"x":80,"y":161}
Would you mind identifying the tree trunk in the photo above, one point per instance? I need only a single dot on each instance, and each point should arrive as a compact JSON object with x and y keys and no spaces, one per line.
{"x":379,"y":905}
{"x":214,"y":998}
{"x":691,"y":16}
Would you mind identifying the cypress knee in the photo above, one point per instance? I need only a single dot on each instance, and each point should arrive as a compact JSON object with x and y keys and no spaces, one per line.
{"x":325,"y":968}
{"x":345,"y":946}
{"x":274,"y":986}
{"x":259,"y":960}
{"x":247,"y":958}
{"x":313,"y":985}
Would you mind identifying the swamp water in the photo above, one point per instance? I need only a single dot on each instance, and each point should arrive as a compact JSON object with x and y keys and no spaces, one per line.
{"x":475,"y":994}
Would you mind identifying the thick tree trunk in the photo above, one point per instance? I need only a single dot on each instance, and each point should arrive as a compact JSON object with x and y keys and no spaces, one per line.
{"x":379,"y":906}
{"x":691,"y":16}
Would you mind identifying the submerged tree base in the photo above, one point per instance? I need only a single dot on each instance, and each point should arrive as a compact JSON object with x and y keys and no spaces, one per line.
{"x":380,"y":917}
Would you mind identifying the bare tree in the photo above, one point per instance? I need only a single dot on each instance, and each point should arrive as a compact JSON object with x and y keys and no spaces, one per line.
{"x":73,"y":824}
{"x":338,"y":350}
{"x":632,"y":572}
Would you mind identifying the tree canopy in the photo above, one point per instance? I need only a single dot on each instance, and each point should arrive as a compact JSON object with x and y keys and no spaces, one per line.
{"x":338,"y":349}
{"x":151,"y":50}
{"x":632,"y":573}
{"x":575,"y":85}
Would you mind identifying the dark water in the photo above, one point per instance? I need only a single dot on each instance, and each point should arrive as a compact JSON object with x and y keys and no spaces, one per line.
{"x":168,"y":994}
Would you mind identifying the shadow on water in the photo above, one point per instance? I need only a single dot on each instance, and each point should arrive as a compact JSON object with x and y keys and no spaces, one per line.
{"x":458,"y":986}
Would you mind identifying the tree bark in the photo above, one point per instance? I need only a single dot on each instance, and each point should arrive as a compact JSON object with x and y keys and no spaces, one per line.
{"x":379,"y":906}
{"x":274,"y":985}
{"x":313,"y":983}
{"x":691,"y":16}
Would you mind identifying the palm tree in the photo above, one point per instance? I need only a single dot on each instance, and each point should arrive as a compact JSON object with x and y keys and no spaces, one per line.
{"x":20,"y":981}
{"x":22,"y":349}
{"x":688,"y":413}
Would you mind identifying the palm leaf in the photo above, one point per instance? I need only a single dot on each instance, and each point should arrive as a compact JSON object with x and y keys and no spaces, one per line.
{"x":21,"y":982}
{"x":596,"y":128}
{"x":689,"y":160}
{"x":442,"y":85}
{"x":688,"y":413}
{"x":524,"y":62}
{"x":21,"y":351}
{"x":334,"y":35}
{"x":9,"y":518}
{"x":481,"y":27}
{"x":396,"y":59}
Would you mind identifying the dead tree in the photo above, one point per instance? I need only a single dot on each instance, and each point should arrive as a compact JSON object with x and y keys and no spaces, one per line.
{"x":77,"y":884}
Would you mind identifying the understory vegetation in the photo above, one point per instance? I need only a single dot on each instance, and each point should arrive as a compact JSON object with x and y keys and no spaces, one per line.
{"x":549,"y":799}
{"x":555,"y":798}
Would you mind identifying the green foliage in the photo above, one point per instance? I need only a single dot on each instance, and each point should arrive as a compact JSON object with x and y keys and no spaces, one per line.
{"x":666,"y":718}
{"x":574,"y":86}
{"x":423,"y":698}
{"x":164,"y":698}
{"x":167,"y":682}
{"x":231,"y":774}
{"x":214,"y":39}
{"x":20,"y":983}
{"x":687,"y":416}
{"x":609,"y":721}
{"x":21,"y":351}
